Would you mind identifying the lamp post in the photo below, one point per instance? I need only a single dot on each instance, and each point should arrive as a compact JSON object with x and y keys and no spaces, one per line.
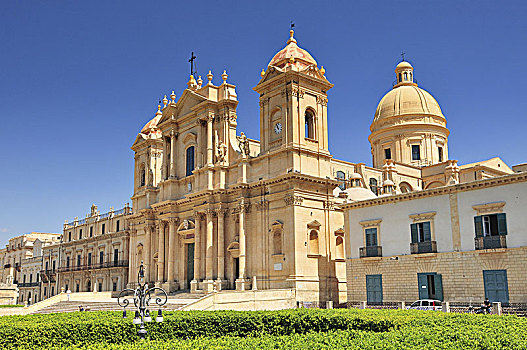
{"x":142,"y":296}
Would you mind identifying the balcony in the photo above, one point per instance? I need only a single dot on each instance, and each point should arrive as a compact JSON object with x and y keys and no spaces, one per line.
{"x":104,"y":265}
{"x":48,"y":275}
{"x":371,"y":251}
{"x":31,"y":284}
{"x":6,"y":266}
{"x":423,"y":247}
{"x":491,"y":242}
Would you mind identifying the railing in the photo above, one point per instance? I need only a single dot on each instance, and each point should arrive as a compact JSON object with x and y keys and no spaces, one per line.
{"x":126,"y":210}
{"x":490,"y":242}
{"x":370,"y":251}
{"x":396,"y":81}
{"x":104,"y":265}
{"x":31,"y":284}
{"x":423,"y":247}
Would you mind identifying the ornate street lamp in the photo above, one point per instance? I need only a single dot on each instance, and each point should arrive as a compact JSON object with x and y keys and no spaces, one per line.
{"x":142,"y":296}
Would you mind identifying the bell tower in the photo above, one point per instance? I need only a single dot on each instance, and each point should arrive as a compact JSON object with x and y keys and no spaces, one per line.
{"x":293,"y":106}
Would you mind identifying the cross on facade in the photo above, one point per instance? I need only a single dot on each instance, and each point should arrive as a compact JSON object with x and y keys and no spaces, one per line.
{"x":191,"y":60}
{"x":402,"y":54}
{"x":292,"y":25}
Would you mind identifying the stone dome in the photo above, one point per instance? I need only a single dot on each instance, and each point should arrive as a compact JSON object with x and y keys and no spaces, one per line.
{"x":359,"y":194}
{"x":407,"y":99}
{"x":301,"y":57}
{"x":151,"y":126}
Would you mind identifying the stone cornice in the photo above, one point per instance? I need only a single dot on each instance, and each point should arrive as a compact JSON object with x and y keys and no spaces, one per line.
{"x":422,"y":216}
{"x":495,"y":207}
{"x":438,"y":191}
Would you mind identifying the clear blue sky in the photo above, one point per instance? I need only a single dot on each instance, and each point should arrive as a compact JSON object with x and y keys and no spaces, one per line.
{"x":78,"y":80}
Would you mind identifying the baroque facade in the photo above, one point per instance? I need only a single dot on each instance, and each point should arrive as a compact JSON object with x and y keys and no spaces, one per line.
{"x":214,"y":209}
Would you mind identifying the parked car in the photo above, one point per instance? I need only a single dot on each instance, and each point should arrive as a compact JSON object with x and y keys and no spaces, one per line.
{"x":426,"y":304}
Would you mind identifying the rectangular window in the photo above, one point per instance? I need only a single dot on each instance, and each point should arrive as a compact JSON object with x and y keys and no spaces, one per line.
{"x":190,"y":161}
{"x":103,"y":228}
{"x":45,"y":291}
{"x":91,"y":231}
{"x":77,"y":288}
{"x":47,"y":265}
{"x":53,"y":265}
{"x":342,"y":178}
{"x":114,"y":286}
{"x":101,"y":257}
{"x":371,"y":237}
{"x":117,"y":226}
{"x":80,"y":233}
{"x":440,"y":153}
{"x":79,"y":260}
{"x":387,"y":153}
{"x":89,"y":258}
{"x":373,"y":186}
{"x":496,"y":287}
{"x":374,"y":289}
{"x":30,"y":278}
{"x":52,"y":291}
{"x":490,"y":225}
{"x":100,"y":287}
{"x":416,"y":152}
{"x":67,"y":261}
{"x":421,"y":232}
{"x":115,"y":255}
{"x":430,"y":286}
{"x":69,"y":236}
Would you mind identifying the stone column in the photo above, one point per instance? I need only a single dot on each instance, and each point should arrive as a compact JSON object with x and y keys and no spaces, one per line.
{"x":172,"y":246}
{"x":221,"y":245}
{"x":243,"y":207}
{"x":210,"y":153}
{"x":131,"y":260}
{"x":148,"y":251}
{"x":209,"y":249}
{"x":197,"y":238}
{"x":172,"y":154}
{"x":164,"y":162}
{"x":161,"y":253}
{"x":210,"y":142}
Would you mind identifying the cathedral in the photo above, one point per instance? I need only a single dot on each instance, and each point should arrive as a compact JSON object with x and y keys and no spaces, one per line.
{"x":215,"y":210}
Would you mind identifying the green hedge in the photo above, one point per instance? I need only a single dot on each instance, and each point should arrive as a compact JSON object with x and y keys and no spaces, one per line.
{"x":313,"y":329}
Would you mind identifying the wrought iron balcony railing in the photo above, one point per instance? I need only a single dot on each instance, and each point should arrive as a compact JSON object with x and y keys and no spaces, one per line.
{"x":370,"y":251}
{"x":490,"y":242}
{"x":423,"y":247}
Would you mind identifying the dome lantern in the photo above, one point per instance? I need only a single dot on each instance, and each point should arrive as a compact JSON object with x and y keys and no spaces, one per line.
{"x":404,"y":74}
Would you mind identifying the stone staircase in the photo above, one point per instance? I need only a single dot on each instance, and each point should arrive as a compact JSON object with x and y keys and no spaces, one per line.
{"x":175,"y":301}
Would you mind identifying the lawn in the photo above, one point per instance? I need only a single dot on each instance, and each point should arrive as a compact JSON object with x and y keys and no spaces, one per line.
{"x":287,"y":329}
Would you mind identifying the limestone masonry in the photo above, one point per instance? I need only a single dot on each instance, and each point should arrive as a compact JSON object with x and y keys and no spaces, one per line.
{"x":215,"y":210}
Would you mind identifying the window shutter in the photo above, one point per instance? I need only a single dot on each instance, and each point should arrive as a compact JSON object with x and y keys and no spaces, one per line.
{"x":478,"y":225}
{"x":422,"y":284}
{"x":502,"y":224}
{"x":426,"y":229}
{"x":438,"y":279}
{"x":413,"y":229}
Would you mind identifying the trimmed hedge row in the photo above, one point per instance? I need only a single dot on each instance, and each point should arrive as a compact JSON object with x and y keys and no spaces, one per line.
{"x":290,"y":329}
{"x":108,"y":327}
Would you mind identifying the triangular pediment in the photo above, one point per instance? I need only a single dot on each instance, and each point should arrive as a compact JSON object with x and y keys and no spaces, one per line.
{"x":314,"y":224}
{"x":271,"y":72}
{"x":184,"y":105}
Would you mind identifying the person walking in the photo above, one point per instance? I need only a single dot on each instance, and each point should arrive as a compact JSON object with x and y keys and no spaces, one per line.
{"x":68,"y":292}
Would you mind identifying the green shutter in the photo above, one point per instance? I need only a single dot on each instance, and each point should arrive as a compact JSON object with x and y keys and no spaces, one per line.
{"x":438,"y":279}
{"x":426,"y":229}
{"x":502,"y":224}
{"x":422,"y":284}
{"x":413,"y":229}
{"x":478,"y":225}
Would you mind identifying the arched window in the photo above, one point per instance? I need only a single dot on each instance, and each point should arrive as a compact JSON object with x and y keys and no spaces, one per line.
{"x":313,"y":243}
{"x":400,"y":77}
{"x":190,"y":161}
{"x":373,"y":186}
{"x":410,"y":75}
{"x":142,"y":175}
{"x":342,"y":178}
{"x":405,"y":76}
{"x":340,"y":247}
{"x":310,"y":125}
{"x":277,"y":242}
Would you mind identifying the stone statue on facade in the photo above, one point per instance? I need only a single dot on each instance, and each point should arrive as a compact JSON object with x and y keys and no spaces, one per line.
{"x":243,"y":143}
